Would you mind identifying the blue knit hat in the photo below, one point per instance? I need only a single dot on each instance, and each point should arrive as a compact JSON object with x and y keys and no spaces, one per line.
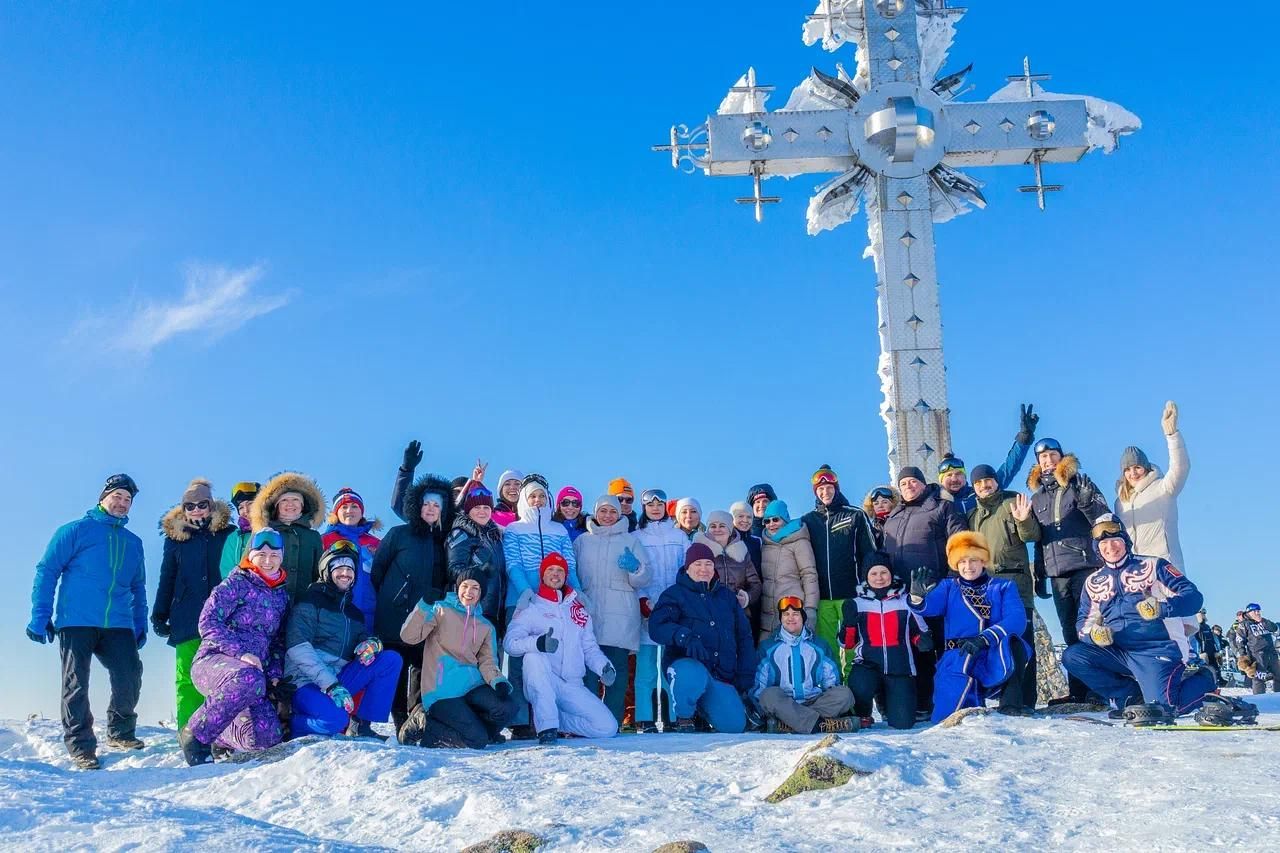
{"x":777,"y":509}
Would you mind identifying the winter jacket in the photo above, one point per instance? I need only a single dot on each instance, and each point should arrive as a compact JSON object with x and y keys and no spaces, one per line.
{"x":1111,"y":596}
{"x":411,"y":564}
{"x":527,"y":541}
{"x":959,"y":603}
{"x":842,"y":541}
{"x":1007,"y":538}
{"x":574,"y":528}
{"x":880,"y":629}
{"x":189,"y":570}
{"x":245,"y":616}
{"x":613,"y":598}
{"x":103,"y":578}
{"x":480,"y":548}
{"x":302,"y":546}
{"x":323,"y":630}
{"x":789,"y":569}
{"x":562,"y":612}
{"x":459,"y":648}
{"x":664,"y":547}
{"x":916,"y":533}
{"x":755,"y":547}
{"x":362,"y":592}
{"x":235,"y":549}
{"x":801,"y":665}
{"x":734,"y":566}
{"x":1066,"y":507}
{"x":711,"y":613}
{"x":1150,"y":513}
{"x":966,"y":499}
{"x":1258,"y":639}
{"x":877,"y":524}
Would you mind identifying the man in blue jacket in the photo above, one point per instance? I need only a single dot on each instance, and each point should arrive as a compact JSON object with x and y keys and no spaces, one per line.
{"x":95,"y":565}
{"x":953,"y":477}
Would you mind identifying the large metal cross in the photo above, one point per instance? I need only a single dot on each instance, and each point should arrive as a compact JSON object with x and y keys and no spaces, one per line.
{"x":895,"y":134}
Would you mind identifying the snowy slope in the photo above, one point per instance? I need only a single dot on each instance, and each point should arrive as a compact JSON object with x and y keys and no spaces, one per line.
{"x":1029,"y":784}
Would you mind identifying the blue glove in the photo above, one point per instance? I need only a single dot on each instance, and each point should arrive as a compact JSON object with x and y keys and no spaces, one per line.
{"x":41,"y":636}
{"x":608,"y":675}
{"x":628,"y":562}
{"x":341,"y":697}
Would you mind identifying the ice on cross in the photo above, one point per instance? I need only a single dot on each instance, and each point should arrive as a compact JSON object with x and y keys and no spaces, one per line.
{"x":896,"y":138}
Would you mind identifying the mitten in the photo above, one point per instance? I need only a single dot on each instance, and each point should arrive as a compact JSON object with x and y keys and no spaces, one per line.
{"x":924,"y":642}
{"x":548,"y":643}
{"x":1149,"y":608}
{"x":1101,"y":635}
{"x":744,"y":600}
{"x":608,"y":675}
{"x":525,"y":598}
{"x":161,"y":629}
{"x":628,"y":561}
{"x":341,"y":697}
{"x":1042,"y":588}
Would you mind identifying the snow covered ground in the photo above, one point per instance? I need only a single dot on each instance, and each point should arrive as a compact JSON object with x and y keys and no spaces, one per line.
{"x":1026,"y":784}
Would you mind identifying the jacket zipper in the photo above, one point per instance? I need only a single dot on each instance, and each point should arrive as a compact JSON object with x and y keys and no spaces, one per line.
{"x":884,"y":641}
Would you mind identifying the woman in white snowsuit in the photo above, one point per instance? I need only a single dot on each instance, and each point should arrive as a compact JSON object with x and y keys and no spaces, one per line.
{"x":664,"y":547}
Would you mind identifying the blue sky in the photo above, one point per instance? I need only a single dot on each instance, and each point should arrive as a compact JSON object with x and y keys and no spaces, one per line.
{"x":241,"y":239}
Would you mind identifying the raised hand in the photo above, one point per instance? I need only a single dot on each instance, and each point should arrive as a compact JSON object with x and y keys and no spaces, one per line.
{"x":1169,"y":420}
{"x":412,"y":455}
{"x":1021,"y":508}
{"x":922,"y":583}
{"x":477,"y":473}
{"x":1027,"y":421}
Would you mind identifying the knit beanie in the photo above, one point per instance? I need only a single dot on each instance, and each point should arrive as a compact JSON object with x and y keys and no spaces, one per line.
{"x":553,"y":559}
{"x":1134,"y":456}
{"x":910,"y":471}
{"x":119,"y":481}
{"x":458,"y":482}
{"x":824,"y":475}
{"x":739,"y":506}
{"x":568,"y":492}
{"x":607,"y":500}
{"x":477,"y":496}
{"x":697,"y":551}
{"x":983,"y":472}
{"x":684,"y":502}
{"x":777,"y":509}
{"x":758,"y":490}
{"x":198,"y":490}
{"x":621,"y":486}
{"x":347,"y":495}
{"x":470,"y":574}
{"x":721,"y":516}
{"x":245,"y":490}
{"x":510,"y":474}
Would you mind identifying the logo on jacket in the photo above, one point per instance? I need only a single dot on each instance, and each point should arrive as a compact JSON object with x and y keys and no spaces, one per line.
{"x":1100,"y":586}
{"x":578,"y":613}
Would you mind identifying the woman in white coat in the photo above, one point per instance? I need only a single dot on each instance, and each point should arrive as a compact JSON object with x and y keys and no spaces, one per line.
{"x":1146,"y":502}
{"x":664,"y":547}
{"x":612,"y":568}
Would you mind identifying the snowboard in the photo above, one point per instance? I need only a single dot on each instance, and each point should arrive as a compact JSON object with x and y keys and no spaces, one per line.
{"x":1195,"y":727}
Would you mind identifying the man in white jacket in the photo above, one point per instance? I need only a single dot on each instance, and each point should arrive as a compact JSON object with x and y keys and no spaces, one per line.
{"x":554,"y":637}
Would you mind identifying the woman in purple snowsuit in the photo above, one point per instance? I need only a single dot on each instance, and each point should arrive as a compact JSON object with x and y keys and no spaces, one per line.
{"x":241,"y":655}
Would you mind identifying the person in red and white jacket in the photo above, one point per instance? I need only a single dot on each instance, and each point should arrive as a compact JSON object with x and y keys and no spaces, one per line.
{"x":881,"y":635}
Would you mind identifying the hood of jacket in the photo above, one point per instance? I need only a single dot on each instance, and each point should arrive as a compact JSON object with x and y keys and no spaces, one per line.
{"x":530,"y":514}
{"x":1127,"y":493}
{"x":413,"y":503}
{"x":174,"y":523}
{"x":870,"y":511}
{"x":1066,"y":468}
{"x":264,"y":505}
{"x":619,"y":526}
{"x":736,"y":549}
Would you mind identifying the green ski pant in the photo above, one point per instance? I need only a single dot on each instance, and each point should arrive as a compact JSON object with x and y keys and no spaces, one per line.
{"x":189,"y":698}
{"x":830,"y":614}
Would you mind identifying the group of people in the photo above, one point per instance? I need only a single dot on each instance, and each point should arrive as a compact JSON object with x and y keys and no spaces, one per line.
{"x":528,"y":610}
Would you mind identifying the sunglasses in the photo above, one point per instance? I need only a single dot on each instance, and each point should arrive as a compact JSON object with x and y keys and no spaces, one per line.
{"x":624,"y":499}
{"x":189,"y":506}
{"x":570,"y":502}
{"x":790,"y":602}
{"x":652,"y":495}
{"x":773,"y":519}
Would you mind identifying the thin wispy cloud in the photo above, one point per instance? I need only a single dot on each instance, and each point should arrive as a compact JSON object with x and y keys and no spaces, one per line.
{"x":216,"y":300}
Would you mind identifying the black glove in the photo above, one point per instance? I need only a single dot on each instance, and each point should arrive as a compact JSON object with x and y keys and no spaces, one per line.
{"x":695,"y":649}
{"x":924,"y":642}
{"x":1027,"y":424}
{"x":921,"y":583}
{"x":972,"y":645}
{"x":281,"y":693}
{"x":1042,"y":588}
{"x":42,"y":637}
{"x":1086,"y":491}
{"x":161,"y":629}
{"x":412,"y":455}
{"x":503,"y":689}
{"x":547,"y":643}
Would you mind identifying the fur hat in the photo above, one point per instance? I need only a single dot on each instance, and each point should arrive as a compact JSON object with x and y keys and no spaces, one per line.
{"x":967,"y":543}
{"x":697,"y":551}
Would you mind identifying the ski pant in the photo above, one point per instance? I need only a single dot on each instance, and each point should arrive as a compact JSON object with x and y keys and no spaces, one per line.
{"x":830,"y":615}
{"x":1132,"y":675}
{"x":695,"y":693}
{"x":117,"y":650}
{"x":1066,"y":601}
{"x":955,"y":688}
{"x":1268,"y":664}
{"x":1030,"y":672}
{"x":188,"y":697}
{"x":803,"y":717}
{"x":236,"y":712}
{"x":470,"y":721}
{"x":314,"y":713}
{"x":927,"y":666}
{"x":647,"y":677}
{"x":515,"y":674}
{"x":564,"y":704}
{"x":895,"y":694}
{"x":615,"y":695}
{"x":408,"y":692}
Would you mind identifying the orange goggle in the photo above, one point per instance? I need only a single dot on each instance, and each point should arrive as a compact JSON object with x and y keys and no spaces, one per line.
{"x":790,"y":602}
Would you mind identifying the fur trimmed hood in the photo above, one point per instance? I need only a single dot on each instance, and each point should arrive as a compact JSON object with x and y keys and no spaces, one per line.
{"x":174,"y":523}
{"x":1067,"y":468}
{"x":866,"y":502}
{"x":736,"y":549}
{"x":413,"y":503}
{"x":264,"y":505}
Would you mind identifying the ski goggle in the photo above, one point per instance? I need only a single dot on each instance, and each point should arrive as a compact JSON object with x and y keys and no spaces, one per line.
{"x":823,"y":477}
{"x":1047,"y":444}
{"x":651,"y":495}
{"x":950,"y":464}
{"x":191,"y":506}
{"x":882,"y":492}
{"x":1106,"y":528}
{"x":343,"y":546}
{"x":790,"y":602}
{"x":267,"y":538}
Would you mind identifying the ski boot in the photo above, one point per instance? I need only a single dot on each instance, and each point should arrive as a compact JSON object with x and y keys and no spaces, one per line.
{"x":548,"y":737}
{"x":1226,"y":711}
{"x":1148,"y":714}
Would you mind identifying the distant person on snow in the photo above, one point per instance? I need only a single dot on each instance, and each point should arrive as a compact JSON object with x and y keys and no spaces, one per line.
{"x":96,"y":568}
{"x":1258,"y":649}
{"x":798,"y":682}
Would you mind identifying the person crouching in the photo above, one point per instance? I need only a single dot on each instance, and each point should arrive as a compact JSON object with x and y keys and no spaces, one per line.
{"x":797,"y":680}
{"x":983,"y":620}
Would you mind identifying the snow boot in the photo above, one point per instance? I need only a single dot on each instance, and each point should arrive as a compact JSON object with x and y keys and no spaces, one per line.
{"x":415,"y":726}
{"x":686,"y":726}
{"x":85,"y":761}
{"x":838,"y":725}
{"x":125,"y":743}
{"x":1149,"y":714}
{"x":523,"y":732}
{"x":548,"y":737}
{"x":1226,"y":711}
{"x":357,"y":727}
{"x":193,"y":750}
{"x":221,"y":753}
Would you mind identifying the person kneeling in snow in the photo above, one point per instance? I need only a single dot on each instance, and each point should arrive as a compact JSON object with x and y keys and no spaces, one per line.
{"x":331,"y":656}
{"x":983,"y":620}
{"x":1129,"y":611}
{"x":797,"y":681}
{"x":707,"y":643}
{"x":554,"y":638}
{"x":465,"y":699}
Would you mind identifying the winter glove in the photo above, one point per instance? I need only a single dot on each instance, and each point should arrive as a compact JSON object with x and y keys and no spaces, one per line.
{"x":1149,"y":608}
{"x":1101,"y":635}
{"x":161,"y":629}
{"x":341,"y":697}
{"x":1086,"y":491}
{"x":924,"y":642}
{"x":695,"y":649}
{"x":412,"y":456}
{"x":1042,"y":588}
{"x":547,"y":643}
{"x":525,"y":598}
{"x":1169,"y":420}
{"x":645,"y":609}
{"x":922,"y":583}
{"x":972,"y":645}
{"x":41,"y":636}
{"x":368,"y":650}
{"x":1027,"y":424}
{"x":502,"y":688}
{"x":744,"y":600}
{"x":140,"y":638}
{"x":628,"y":561}
{"x":1246,"y":665}
{"x":608,"y":675}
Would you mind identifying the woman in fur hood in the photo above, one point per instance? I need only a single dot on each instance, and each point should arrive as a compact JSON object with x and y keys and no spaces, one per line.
{"x":878,"y":503}
{"x":195,"y":532}
{"x":293,"y":504}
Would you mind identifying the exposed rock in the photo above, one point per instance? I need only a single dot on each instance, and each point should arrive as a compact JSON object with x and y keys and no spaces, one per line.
{"x":508,"y":841}
{"x":959,"y":716}
{"x":816,"y":772}
{"x":681,"y":847}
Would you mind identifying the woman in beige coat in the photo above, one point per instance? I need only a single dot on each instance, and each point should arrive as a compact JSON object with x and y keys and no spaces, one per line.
{"x":789,"y":567}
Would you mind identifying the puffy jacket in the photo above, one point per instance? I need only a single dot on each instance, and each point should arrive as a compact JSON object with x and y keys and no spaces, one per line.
{"x":801,"y":665}
{"x":559,"y":611}
{"x":842,"y":540}
{"x":527,"y":541}
{"x":916,"y":533}
{"x":710,"y":612}
{"x":323,"y":630}
{"x":789,"y":569}
{"x":1066,"y":505}
{"x":302,"y":545}
{"x":966,"y":499}
{"x":411,"y":564}
{"x":1150,"y":510}
{"x":245,"y":616}
{"x":734,"y":566}
{"x":664,"y":547}
{"x":480,"y":548}
{"x":362,"y":592}
{"x":958,"y":601}
{"x":189,"y":570}
{"x":613,"y":598}
{"x":880,"y":629}
{"x":1258,"y":639}
{"x":459,"y":648}
{"x":1111,"y":595}
{"x":1008,"y":538}
{"x":103,"y":578}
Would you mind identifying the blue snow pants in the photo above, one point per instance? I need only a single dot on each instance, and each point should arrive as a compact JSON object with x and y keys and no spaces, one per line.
{"x":314,"y":713}
{"x":695,"y":693}
{"x":1130,"y":675}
